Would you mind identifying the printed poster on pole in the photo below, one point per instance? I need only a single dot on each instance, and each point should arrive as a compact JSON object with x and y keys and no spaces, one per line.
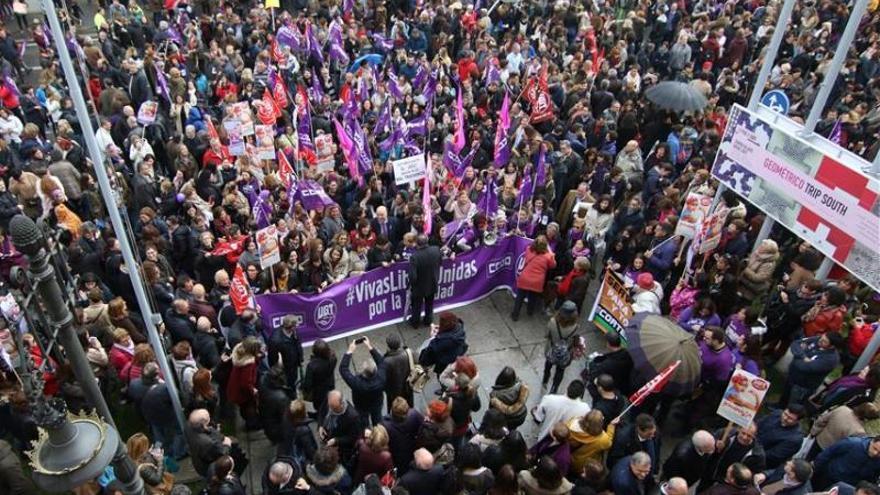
{"x":612,"y":309}
{"x":696,"y":207}
{"x":267,"y":245}
{"x":743,"y":397}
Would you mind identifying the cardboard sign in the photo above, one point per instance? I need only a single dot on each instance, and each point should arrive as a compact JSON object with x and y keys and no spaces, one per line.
{"x":265,"y":136}
{"x":712,"y":229}
{"x":409,"y":169}
{"x":241,"y":111}
{"x":267,"y":245}
{"x":612,"y":310}
{"x":696,"y":207}
{"x":743,"y":397}
{"x":236,"y":141}
{"x":324,"y":147}
{"x":147,"y":112}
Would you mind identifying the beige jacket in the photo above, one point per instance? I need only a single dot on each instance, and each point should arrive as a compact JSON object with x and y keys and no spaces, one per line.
{"x":836,"y":424}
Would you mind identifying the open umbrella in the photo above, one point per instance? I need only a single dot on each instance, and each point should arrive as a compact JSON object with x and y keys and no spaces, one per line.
{"x":655,"y":342}
{"x":370,"y":58}
{"x":676,"y":96}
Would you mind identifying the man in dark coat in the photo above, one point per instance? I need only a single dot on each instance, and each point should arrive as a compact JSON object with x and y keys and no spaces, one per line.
{"x":780,"y":434}
{"x":285,"y":344}
{"x":403,"y":425}
{"x":206,"y":442}
{"x":384,"y":225}
{"x":280,"y":476}
{"x":138,"y":85}
{"x":689,"y":459}
{"x":341,"y":426}
{"x":793,"y":478}
{"x":424,"y":276}
{"x":397,"y":367}
{"x":742,"y":446}
{"x":180,"y":325}
{"x":446,"y":344}
{"x":634,"y":437}
{"x":155,"y":408}
{"x":274,"y":401}
{"x":368,"y":386}
{"x":616,"y":362}
{"x":143,"y":188}
{"x":424,"y":478}
{"x":737,"y":481}
{"x":183,"y":245}
{"x":629,"y":474}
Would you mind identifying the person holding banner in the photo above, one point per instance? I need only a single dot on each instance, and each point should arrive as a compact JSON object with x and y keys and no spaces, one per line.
{"x":539,"y":260}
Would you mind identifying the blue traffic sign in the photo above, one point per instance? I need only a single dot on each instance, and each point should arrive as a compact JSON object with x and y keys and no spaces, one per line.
{"x":777,"y":101}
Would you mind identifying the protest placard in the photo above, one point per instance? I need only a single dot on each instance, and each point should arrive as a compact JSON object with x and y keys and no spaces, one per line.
{"x":612,"y":310}
{"x":696,"y":207}
{"x":743,"y":397}
{"x":147,"y":112}
{"x":233,"y":132}
{"x":267,"y":245}
{"x":410,"y":169}
{"x":265,"y":137}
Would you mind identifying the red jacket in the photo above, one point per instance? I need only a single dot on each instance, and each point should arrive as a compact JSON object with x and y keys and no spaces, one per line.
{"x":466,"y":67}
{"x":859,"y":337}
{"x":828,"y":320}
{"x":8,"y":97}
{"x":242,"y":381}
{"x":535,"y":270}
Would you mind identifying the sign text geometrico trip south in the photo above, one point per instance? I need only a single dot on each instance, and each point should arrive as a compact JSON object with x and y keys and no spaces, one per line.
{"x":833,"y":206}
{"x":380,"y":297}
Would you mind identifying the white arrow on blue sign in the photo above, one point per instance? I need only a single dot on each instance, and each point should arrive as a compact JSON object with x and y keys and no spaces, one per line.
{"x":777,"y":101}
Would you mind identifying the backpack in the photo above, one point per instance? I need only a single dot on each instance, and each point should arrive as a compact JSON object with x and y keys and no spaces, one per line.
{"x":559,"y":353}
{"x":418,"y":376}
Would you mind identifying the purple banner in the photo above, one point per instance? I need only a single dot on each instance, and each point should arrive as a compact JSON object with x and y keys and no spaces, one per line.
{"x":380,"y":297}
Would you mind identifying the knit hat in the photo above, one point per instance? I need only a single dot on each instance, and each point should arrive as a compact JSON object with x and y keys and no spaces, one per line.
{"x":645,"y":281}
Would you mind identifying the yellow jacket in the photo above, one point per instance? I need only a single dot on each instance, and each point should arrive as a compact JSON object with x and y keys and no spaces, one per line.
{"x":585,"y":446}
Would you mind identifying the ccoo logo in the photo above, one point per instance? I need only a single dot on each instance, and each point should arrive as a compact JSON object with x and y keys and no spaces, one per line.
{"x":325,"y":314}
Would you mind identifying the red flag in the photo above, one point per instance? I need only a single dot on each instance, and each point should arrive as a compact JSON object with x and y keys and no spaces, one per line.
{"x":655,"y":385}
{"x":230,"y":248}
{"x":212,"y":131}
{"x":279,"y":93}
{"x":285,"y":171}
{"x":240,"y":291}
{"x":542,"y":106}
{"x":267,"y":111}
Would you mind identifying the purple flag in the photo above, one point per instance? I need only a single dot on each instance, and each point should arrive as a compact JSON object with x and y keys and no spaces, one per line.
{"x":347,"y":6}
{"x":420,"y":78}
{"x":383,"y":43}
{"x":451,"y":160}
{"x":488,"y":200}
{"x":314,"y":46}
{"x":312,"y":195}
{"x":492,"y":74}
{"x":430,"y":89}
{"x":541,"y":169}
{"x":364,"y":158}
{"x":162,"y":83}
{"x":527,"y":189}
{"x":337,"y":49}
{"x":393,"y":86}
{"x":10,"y":83}
{"x":316,"y":93}
{"x":836,"y":132}
{"x":502,"y":142}
{"x":304,"y":130}
{"x":391,"y":141}
{"x":384,"y":118}
{"x":262,"y":210}
{"x":466,"y":161}
{"x":348,"y":149}
{"x":459,"y":123}
{"x":417,"y":126}
{"x":286,"y":36}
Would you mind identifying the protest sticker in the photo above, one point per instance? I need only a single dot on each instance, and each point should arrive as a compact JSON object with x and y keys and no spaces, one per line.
{"x":267,"y":245}
{"x":265,"y":137}
{"x":409,"y":169}
{"x":743,"y":397}
{"x":233,"y":133}
{"x":147,"y":112}
{"x":696,"y":207}
{"x":241,"y":112}
{"x":612,"y":310}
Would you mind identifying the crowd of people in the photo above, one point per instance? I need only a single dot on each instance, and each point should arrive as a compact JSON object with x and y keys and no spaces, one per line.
{"x":533,"y":119}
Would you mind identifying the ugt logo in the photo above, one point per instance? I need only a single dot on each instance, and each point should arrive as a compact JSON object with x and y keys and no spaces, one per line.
{"x":325,"y":314}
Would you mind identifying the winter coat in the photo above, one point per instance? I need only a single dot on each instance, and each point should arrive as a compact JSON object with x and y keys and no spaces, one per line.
{"x":757,"y":276}
{"x":320,"y":378}
{"x":179,"y":326}
{"x":366,"y":391}
{"x":534,"y":272}
{"x":13,"y":480}
{"x":120,"y":358}
{"x":274,"y":403}
{"x":444,"y":348}
{"x":687,"y":320}
{"x":240,"y":389}
{"x":424,"y":482}
{"x":685,"y":462}
{"x":205,"y":446}
{"x":559,"y":452}
{"x":530,"y":486}
{"x":396,"y":372}
{"x":660,"y":262}
{"x":345,"y":428}
{"x":829,"y":319}
{"x":623,"y":481}
{"x":424,"y":271}
{"x":338,"y":481}
{"x":432,"y":435}
{"x":810,"y":364}
{"x":627,"y":442}
{"x":846,"y":460}
{"x":836,"y":424}
{"x":289,"y":349}
{"x":780,"y":442}
{"x":777,"y":474}
{"x":511,"y":401}
{"x":585,"y":446}
{"x":370,"y":462}
{"x":402,"y":437}
{"x":298,"y":441}
{"x":156,"y":404}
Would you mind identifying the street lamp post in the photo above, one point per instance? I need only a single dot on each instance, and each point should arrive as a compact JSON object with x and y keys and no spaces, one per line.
{"x":70,"y":447}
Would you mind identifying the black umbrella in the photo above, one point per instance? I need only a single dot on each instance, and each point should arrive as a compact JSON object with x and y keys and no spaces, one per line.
{"x":676,"y":96}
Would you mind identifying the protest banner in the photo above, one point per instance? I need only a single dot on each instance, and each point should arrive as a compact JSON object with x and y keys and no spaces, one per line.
{"x":712,"y":229}
{"x":381,"y":295}
{"x":241,"y":112}
{"x":410,"y":169}
{"x":822,"y":198}
{"x":612,"y":310}
{"x":312,"y":195}
{"x":743,"y":397}
{"x":236,"y":142}
{"x":695,"y":209}
{"x":267,"y":245}
{"x":265,"y":137}
{"x":147,"y":112}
